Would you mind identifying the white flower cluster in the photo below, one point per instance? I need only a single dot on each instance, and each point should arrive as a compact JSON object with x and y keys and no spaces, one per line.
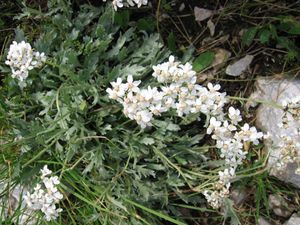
{"x":221,"y":190}
{"x":12,"y":203}
{"x":289,"y":146}
{"x":230,"y":139}
{"x":178,"y":91}
{"x":288,"y":153}
{"x":121,"y":3}
{"x":45,"y":196}
{"x":291,"y":112}
{"x":22,"y":58}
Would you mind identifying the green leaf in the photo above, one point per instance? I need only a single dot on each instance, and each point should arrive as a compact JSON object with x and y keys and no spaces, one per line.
{"x":273,"y":31}
{"x":203,"y":61}
{"x":148,"y":141}
{"x":261,"y":194}
{"x":181,"y":160}
{"x":171,"y":42}
{"x":2,"y":23}
{"x":249,"y":36}
{"x":286,"y":43}
{"x":117,"y":203}
{"x":201,"y":209}
{"x":122,"y":18}
{"x":173,"y":127}
{"x":290,"y":27}
{"x":19,"y":35}
{"x":83,"y":105}
{"x":159,"y":214}
{"x":146,"y":24}
{"x":294,"y":29}
{"x":264,"y":36}
{"x":188,"y":54}
{"x":230,"y":212}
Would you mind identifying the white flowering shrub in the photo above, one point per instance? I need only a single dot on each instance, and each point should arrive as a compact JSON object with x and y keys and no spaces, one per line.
{"x":40,"y":201}
{"x":231,"y":139}
{"x":182,"y":94}
{"x":126,"y":126}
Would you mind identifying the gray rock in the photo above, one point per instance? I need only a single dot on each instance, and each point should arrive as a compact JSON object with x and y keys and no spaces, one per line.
{"x":288,"y":175}
{"x":294,"y":220}
{"x":238,"y":196}
{"x":279,"y":206}
{"x":272,"y":92}
{"x":237,"y":68}
{"x":202,"y":14}
{"x":263,"y":221}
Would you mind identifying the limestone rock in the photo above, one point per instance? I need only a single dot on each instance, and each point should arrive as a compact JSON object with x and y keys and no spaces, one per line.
{"x":272,"y":92}
{"x":238,"y":67}
{"x":263,"y":221}
{"x":279,"y":206}
{"x":294,"y":220}
{"x":202,"y":14}
{"x":238,"y":196}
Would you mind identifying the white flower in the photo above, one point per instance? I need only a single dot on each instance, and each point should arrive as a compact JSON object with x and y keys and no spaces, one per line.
{"x":50,"y":211}
{"x":132,"y":85}
{"x":213,"y":125}
{"x":22,"y":58}
{"x":140,"y":2}
{"x":297,"y":171}
{"x":213,"y":88}
{"x":226,"y":175}
{"x":179,"y":92}
{"x":143,"y":118}
{"x":121,"y":3}
{"x":248,"y":133}
{"x":157,"y":109}
{"x":216,"y":198}
{"x":118,"y":89}
{"x":50,"y":186}
{"x":234,"y":115}
{"x":45,"y":197}
{"x":45,"y":171}
{"x":117,"y":4}
{"x":289,"y":148}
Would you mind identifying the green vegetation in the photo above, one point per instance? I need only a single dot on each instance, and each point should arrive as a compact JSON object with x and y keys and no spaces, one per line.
{"x":111,"y":171}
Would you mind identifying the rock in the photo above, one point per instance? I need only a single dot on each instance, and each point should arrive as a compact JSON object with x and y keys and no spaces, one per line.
{"x":202,"y":14}
{"x":288,"y":175}
{"x":14,"y":202}
{"x":272,"y":92}
{"x":237,"y":68}
{"x":238,"y":196}
{"x":263,"y":221}
{"x":294,"y":220}
{"x":279,"y":206}
{"x":221,"y":57}
{"x":211,"y":27}
{"x":181,"y":7}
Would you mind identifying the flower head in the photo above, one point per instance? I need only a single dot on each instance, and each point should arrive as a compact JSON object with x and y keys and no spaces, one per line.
{"x":22,"y":58}
{"x":45,"y":196}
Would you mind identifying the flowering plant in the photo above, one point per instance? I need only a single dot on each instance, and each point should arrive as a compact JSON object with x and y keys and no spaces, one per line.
{"x":123,"y":148}
{"x":45,"y":198}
